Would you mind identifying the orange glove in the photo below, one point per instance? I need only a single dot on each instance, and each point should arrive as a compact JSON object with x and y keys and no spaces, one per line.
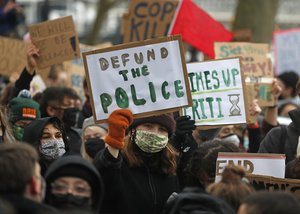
{"x":118,"y":121}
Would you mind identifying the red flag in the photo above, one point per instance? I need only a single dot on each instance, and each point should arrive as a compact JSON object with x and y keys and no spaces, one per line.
{"x":198,"y":29}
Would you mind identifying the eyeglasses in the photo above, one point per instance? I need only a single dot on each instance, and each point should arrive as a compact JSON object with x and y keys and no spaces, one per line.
{"x":76,"y":189}
{"x":59,"y":108}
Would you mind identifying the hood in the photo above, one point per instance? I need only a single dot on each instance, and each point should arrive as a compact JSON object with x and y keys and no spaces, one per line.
{"x":295,"y":117}
{"x":33,"y":131}
{"x":76,"y":166}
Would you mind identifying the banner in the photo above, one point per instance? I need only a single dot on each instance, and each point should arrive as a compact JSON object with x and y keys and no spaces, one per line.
{"x":287,"y":53}
{"x":254,"y":163}
{"x":12,"y":55}
{"x":256,"y":66}
{"x":217,"y":89}
{"x":56,"y":40}
{"x":270,"y":184}
{"x":147,"y":19}
{"x":145,"y":77}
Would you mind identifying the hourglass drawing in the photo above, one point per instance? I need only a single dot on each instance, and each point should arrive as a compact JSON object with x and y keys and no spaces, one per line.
{"x":234,"y":100}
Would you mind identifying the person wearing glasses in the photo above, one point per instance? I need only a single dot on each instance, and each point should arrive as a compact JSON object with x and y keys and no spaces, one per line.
{"x":74,"y":184}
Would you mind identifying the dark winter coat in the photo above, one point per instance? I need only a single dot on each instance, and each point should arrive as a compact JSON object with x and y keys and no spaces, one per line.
{"x":283,"y":140}
{"x":133,"y":190}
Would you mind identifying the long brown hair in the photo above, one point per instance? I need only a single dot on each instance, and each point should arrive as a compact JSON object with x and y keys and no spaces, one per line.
{"x":163,"y":162}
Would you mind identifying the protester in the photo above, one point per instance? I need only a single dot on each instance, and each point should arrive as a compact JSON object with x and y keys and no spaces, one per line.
{"x":48,"y":136}
{"x":21,"y":182}
{"x":201,"y":170}
{"x":139,"y":174}
{"x":292,"y":169}
{"x":233,"y":187}
{"x":195,"y":200}
{"x":270,"y":202}
{"x":60,"y":102}
{"x":91,"y":138}
{"x":74,"y":184}
{"x":283,"y":140}
{"x":9,"y":17}
{"x":22,"y":110}
{"x":288,"y":82}
{"x":6,"y":135}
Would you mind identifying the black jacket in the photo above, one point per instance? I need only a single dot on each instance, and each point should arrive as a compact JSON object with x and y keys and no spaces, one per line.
{"x":23,"y":205}
{"x":133,"y":190}
{"x":283,"y":140}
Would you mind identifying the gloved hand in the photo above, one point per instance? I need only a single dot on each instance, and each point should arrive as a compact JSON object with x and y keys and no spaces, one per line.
{"x":118,"y":122}
{"x":183,"y":133}
{"x":184,"y":125}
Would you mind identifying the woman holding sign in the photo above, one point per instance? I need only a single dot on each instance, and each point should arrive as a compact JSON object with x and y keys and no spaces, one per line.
{"x":138,"y":170}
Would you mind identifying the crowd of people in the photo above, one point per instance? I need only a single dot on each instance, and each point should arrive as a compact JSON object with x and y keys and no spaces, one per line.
{"x":54,"y":158}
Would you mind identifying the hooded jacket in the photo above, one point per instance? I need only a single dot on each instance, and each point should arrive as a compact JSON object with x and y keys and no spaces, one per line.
{"x":194,"y":200}
{"x":283,"y":140}
{"x":76,"y":166}
{"x":33,"y":134}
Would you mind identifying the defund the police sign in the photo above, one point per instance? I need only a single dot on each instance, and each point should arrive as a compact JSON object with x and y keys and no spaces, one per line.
{"x":144,"y":77}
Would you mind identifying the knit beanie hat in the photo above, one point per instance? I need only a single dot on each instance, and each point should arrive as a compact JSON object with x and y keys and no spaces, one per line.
{"x":23,"y":108}
{"x":166,"y":120}
{"x":91,"y":122}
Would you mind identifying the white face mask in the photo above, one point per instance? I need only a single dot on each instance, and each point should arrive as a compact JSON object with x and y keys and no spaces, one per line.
{"x":232,"y":139}
{"x":52,"y":148}
{"x":150,"y":142}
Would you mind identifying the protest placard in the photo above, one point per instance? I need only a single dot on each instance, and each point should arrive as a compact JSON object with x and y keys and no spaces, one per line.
{"x":12,"y":55}
{"x":287,"y":53}
{"x":257,"y":164}
{"x":147,"y":19}
{"x":217,"y":89}
{"x":56,"y":40}
{"x":75,"y":69}
{"x":145,"y":77}
{"x":256,"y":66}
{"x":270,"y":184}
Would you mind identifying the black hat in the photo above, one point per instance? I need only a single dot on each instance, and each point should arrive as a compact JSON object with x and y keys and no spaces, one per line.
{"x":76,"y":166}
{"x":166,"y":120}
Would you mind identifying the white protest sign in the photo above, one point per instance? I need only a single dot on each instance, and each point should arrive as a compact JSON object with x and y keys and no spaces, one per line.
{"x":257,"y":164}
{"x":143,"y":76}
{"x":287,"y":51}
{"x":217,"y":92}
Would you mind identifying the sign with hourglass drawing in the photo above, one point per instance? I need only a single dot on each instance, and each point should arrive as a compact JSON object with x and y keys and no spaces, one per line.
{"x":217,"y":89}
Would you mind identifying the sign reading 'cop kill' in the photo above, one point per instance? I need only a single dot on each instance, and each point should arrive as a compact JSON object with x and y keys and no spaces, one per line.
{"x":143,"y":76}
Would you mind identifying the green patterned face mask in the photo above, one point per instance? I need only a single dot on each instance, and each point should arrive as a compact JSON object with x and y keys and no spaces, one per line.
{"x":150,"y":142}
{"x":18,"y":132}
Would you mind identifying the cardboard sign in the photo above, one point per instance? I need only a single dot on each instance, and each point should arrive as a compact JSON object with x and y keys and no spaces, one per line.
{"x":12,"y":55}
{"x":257,"y":67}
{"x":287,"y":53}
{"x":270,"y":184}
{"x":258,"y":164}
{"x":144,"y":76}
{"x":217,"y":89}
{"x":147,"y":19}
{"x":56,"y":40}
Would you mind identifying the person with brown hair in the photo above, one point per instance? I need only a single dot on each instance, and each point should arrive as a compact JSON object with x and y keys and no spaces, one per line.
{"x":21,"y":182}
{"x":139,"y":171}
{"x":233,"y":187}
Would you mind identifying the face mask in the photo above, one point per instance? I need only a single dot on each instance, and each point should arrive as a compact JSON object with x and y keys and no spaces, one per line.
{"x":150,"y":142}
{"x":232,"y":139}
{"x":71,"y":117}
{"x":70,"y":201}
{"x":18,"y":132}
{"x":52,"y":148}
{"x":93,"y":146}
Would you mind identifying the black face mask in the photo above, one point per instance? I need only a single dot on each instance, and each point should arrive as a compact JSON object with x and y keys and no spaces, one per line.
{"x":70,"y":202}
{"x":71,"y":117}
{"x":93,"y":146}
